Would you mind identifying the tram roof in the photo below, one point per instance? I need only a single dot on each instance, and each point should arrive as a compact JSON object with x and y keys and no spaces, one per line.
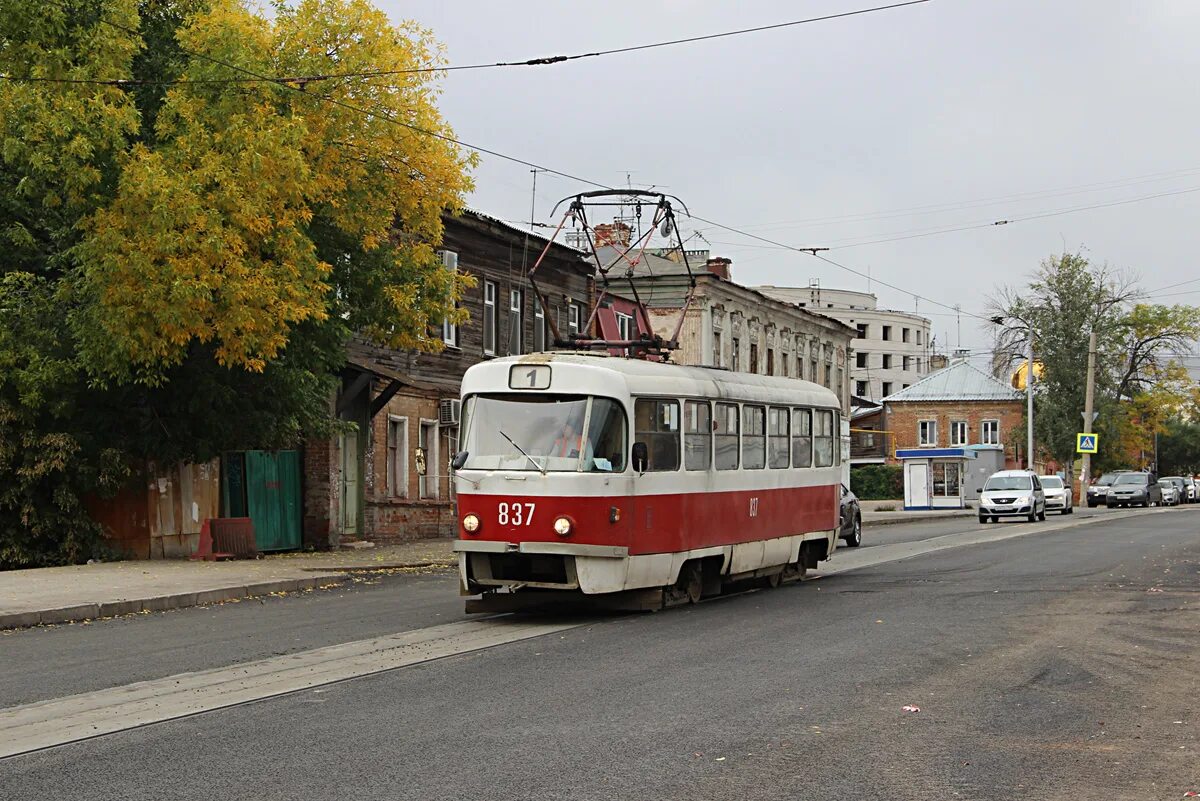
{"x":644,"y":377}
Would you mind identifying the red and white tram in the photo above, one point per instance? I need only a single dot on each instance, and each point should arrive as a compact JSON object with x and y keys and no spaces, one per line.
{"x":639,"y":481}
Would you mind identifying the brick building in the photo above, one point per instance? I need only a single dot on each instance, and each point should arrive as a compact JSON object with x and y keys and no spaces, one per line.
{"x":386,"y":478}
{"x":959,"y":406}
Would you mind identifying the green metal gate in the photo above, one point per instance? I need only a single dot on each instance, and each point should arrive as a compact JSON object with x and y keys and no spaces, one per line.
{"x":264,"y":486}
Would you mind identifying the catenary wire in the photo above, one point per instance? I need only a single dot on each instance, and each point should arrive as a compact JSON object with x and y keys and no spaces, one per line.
{"x":532,"y":62}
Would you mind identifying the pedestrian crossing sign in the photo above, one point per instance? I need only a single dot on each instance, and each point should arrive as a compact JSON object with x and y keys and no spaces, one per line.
{"x":1087,"y":443}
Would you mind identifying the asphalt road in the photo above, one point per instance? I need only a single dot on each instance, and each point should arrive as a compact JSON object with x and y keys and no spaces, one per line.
{"x":1056,"y":666}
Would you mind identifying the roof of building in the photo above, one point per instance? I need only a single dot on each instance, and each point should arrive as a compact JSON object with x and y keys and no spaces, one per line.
{"x":961,"y":381}
{"x":539,"y":239}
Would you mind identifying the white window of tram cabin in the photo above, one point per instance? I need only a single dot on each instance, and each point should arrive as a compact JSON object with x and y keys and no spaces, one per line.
{"x":778,"y":446}
{"x":823,"y":450}
{"x":754,"y":437}
{"x":725,"y":436}
{"x":656,"y":423}
{"x":802,"y":439}
{"x":697,"y":435}
{"x":518,"y":432}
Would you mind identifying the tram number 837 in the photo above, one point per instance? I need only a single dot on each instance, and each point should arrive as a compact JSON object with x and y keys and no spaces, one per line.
{"x":515,"y":514}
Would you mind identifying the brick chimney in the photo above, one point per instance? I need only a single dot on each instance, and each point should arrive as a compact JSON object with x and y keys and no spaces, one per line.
{"x":720,"y":267}
{"x":618,"y":234}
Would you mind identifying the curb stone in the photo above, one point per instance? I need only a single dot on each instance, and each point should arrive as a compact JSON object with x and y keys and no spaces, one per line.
{"x":162,"y":603}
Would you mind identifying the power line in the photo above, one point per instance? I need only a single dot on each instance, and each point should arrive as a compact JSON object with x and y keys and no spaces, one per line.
{"x":302,"y":80}
{"x":937,"y":208}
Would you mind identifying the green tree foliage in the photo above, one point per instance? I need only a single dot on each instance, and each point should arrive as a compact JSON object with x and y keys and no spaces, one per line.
{"x":1179,"y":448}
{"x":184,"y":256}
{"x":1136,"y":381}
{"x":877,"y":482}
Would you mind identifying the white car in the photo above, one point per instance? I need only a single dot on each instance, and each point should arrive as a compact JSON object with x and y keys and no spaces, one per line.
{"x":1058,"y":495}
{"x":1012,"y":493}
{"x":1170,"y":492}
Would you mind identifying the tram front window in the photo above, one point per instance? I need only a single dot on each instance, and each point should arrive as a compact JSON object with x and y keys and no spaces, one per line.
{"x":545,"y":433}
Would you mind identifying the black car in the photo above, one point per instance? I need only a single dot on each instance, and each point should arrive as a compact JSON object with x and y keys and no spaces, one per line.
{"x":851,"y":519}
{"x":1134,"y":489}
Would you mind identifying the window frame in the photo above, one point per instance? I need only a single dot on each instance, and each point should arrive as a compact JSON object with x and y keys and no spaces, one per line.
{"x":704,"y":431}
{"x":396,"y":472}
{"x":957,"y":426}
{"x":922,"y":426}
{"x":786,"y":437}
{"x":828,"y":416}
{"x":639,"y":433}
{"x":746,"y":453}
{"x":800,"y":416}
{"x":983,"y":432}
{"x":539,"y":325}
{"x":516,"y":322}
{"x":720,"y":417}
{"x":491,"y":327}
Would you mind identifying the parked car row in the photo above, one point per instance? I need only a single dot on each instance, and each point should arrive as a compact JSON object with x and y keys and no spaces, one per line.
{"x":1135,"y":488}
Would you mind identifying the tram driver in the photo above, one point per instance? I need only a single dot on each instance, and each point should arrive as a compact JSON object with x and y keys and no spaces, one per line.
{"x":570,"y":442}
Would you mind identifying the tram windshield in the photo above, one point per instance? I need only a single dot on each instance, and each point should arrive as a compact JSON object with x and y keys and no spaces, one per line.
{"x":546,"y":433}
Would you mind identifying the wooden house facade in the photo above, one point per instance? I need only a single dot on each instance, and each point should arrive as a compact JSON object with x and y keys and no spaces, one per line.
{"x":387,"y":478}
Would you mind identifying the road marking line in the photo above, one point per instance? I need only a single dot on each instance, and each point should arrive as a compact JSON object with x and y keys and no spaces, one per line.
{"x":45,"y":724}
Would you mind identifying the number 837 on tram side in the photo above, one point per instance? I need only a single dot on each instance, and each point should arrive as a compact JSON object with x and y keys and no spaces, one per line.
{"x":638,"y":484}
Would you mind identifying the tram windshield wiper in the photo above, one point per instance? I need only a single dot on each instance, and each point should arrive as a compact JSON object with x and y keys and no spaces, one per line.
{"x":532,"y":461}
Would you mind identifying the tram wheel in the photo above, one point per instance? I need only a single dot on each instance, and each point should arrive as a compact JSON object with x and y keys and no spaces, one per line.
{"x":775,"y":579}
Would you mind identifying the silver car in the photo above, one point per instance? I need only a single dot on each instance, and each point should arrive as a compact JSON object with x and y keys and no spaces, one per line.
{"x":1170,"y":492}
{"x":1012,"y":493}
{"x":1058,"y":495}
{"x":1134,"y":489}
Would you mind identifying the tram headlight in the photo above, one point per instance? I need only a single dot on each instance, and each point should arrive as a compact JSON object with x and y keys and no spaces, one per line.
{"x":563,"y":526}
{"x":470,"y":524}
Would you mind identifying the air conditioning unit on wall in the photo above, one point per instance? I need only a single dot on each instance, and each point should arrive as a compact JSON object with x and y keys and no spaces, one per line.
{"x":448,"y":411}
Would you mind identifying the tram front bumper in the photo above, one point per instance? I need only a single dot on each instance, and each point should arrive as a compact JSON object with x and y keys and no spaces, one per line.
{"x":489,"y":565}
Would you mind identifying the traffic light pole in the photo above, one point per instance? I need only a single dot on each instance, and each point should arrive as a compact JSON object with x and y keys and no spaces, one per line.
{"x":1029,"y":401}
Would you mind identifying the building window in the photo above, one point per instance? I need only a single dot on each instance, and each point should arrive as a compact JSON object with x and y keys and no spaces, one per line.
{"x":905,"y":386}
{"x":887,"y":361}
{"x":516,"y":327}
{"x":753,"y":357}
{"x":539,"y":325}
{"x":887,"y":333}
{"x":802,"y":444}
{"x":754,"y":439}
{"x":860,"y":389}
{"x":907,"y":362}
{"x":990,"y":432}
{"x":904,"y":334}
{"x":491,"y":327}
{"x":624,"y":326}
{"x":573,"y":318}
{"x":778,"y":446}
{"x":860,"y":359}
{"x":657,"y":425}
{"x":862,"y":330}
{"x":927,"y":433}
{"x":397,"y":457}
{"x":828,"y":377}
{"x":799,"y":367}
{"x":697,"y":435}
{"x":958,"y":432}
{"x":813,"y":375}
{"x":918,"y":336}
{"x":783,"y":365}
{"x":886,"y":389}
{"x":449,"y":329}
{"x":716,"y":356}
{"x":840,"y":387}
{"x":770,"y":361}
{"x":735,"y":354}
{"x":427,"y":441}
{"x":725,"y":436}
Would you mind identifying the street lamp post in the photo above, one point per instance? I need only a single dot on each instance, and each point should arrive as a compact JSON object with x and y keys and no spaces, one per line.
{"x":1029,"y":401}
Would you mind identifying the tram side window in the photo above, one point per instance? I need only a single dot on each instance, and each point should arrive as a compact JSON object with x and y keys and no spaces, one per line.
{"x":823,"y":438}
{"x":777,"y":437}
{"x":754,"y":439}
{"x":725,"y":435}
{"x":657,"y":425}
{"x":802,"y":443}
{"x":697,"y":435}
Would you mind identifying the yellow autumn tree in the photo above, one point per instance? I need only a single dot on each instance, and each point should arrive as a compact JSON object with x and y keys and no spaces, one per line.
{"x":262,"y":204}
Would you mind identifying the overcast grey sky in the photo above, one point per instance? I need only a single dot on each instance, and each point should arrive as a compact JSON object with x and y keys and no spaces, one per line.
{"x":939,"y":104}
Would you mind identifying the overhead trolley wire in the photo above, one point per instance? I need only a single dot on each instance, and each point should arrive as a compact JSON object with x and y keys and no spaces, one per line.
{"x":532,"y":62}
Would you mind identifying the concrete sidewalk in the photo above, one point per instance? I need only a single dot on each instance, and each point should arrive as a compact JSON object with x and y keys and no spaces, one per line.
{"x":85,"y":592}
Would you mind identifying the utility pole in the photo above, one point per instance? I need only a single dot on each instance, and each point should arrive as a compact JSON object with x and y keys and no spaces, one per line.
{"x":1089,"y":400}
{"x":1029,"y":401}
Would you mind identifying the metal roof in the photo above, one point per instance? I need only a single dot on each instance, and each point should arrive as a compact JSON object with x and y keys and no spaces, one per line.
{"x":959,"y":382}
